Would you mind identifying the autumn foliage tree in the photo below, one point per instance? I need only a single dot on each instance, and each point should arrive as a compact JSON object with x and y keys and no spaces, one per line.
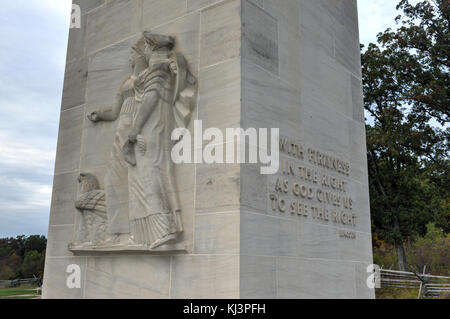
{"x":406,"y":89}
{"x":22,"y":257}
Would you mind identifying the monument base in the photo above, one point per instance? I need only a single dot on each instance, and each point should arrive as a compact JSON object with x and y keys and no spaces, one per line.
{"x":172,"y":249}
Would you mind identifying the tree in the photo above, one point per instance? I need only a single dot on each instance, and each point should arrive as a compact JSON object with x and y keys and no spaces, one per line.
{"x":22,"y":256}
{"x":6,"y":273}
{"x":33,"y":264}
{"x":14,"y":261}
{"x":432,"y":251}
{"x":35,"y":242}
{"x":405,"y":81}
{"x":16,"y":244}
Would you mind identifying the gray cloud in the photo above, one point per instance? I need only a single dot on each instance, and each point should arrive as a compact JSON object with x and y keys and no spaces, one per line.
{"x":32,"y":54}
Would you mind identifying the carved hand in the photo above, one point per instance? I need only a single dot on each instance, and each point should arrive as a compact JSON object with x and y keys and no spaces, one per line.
{"x":132,"y":137}
{"x":94,"y":117}
{"x":173,"y":68}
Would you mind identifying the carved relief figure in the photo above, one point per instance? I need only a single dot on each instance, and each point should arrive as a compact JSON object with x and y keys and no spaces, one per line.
{"x":142,"y":207}
{"x":91,"y":204}
{"x":164,"y":93}
{"x":116,"y":179}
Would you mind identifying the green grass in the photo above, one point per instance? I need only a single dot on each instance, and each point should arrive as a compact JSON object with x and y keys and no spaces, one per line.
{"x":396,"y":293}
{"x":403,"y":293}
{"x":16,"y":293}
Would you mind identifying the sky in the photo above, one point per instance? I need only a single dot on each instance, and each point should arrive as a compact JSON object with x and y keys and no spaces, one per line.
{"x":34,"y":37}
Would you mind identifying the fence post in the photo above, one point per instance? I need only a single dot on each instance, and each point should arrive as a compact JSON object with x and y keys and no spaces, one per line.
{"x":421,"y":282}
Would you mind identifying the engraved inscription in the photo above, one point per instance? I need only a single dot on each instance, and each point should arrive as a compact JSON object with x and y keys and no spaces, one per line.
{"x":313,"y":185}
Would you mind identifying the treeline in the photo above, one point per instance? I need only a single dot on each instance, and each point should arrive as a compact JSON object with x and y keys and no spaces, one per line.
{"x":431,"y":250}
{"x":406,"y":85}
{"x":22,"y":257}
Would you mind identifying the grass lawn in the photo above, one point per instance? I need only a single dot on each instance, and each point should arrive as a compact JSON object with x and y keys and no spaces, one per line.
{"x":403,"y":293}
{"x":19,"y":292}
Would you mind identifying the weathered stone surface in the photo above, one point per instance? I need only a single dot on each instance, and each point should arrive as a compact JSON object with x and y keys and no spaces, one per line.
{"x":317,"y":27}
{"x":75,"y":80}
{"x":59,"y":238}
{"x":115,"y":21}
{"x":69,"y":140}
{"x":322,"y":74}
{"x":97,"y":143}
{"x":347,"y":50}
{"x":128,"y":277}
{"x":255,"y":185}
{"x":306,"y":279}
{"x":217,"y":233}
{"x":76,"y":47}
{"x":258,"y":277}
{"x":260,"y":37}
{"x":316,"y":98}
{"x":218,"y":188}
{"x":159,"y":12}
{"x":358,"y":153}
{"x":220,"y":32}
{"x":264,"y":235}
{"x":288,"y":20}
{"x":266,"y":99}
{"x":65,"y":191}
{"x":220,"y":97}
{"x":205,"y":276}
{"x":88,"y":5}
{"x":193,"y":5}
{"x":357,"y":99}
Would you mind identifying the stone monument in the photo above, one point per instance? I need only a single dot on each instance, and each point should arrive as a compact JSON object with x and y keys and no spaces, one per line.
{"x":129,"y":221}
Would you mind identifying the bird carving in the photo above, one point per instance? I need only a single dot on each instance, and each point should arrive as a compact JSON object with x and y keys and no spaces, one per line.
{"x":92,"y":206}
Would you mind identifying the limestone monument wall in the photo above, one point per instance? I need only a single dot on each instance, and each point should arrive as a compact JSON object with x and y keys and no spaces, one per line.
{"x":211,"y":230}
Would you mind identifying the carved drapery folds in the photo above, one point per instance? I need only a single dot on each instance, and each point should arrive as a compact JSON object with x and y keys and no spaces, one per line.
{"x":139,"y":206}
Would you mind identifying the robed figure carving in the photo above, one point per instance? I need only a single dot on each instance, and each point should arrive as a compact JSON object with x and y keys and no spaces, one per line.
{"x":142,"y":204}
{"x":160,"y":92}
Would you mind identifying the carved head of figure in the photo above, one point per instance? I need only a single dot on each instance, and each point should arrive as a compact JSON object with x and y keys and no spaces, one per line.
{"x":138,"y":52}
{"x":158,"y":45}
{"x":88,"y":182}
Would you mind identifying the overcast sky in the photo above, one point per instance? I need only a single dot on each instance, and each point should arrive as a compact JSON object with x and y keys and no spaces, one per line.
{"x":32,"y":56}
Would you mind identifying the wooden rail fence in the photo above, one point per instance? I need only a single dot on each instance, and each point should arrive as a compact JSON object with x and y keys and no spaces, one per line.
{"x":428,"y":285}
